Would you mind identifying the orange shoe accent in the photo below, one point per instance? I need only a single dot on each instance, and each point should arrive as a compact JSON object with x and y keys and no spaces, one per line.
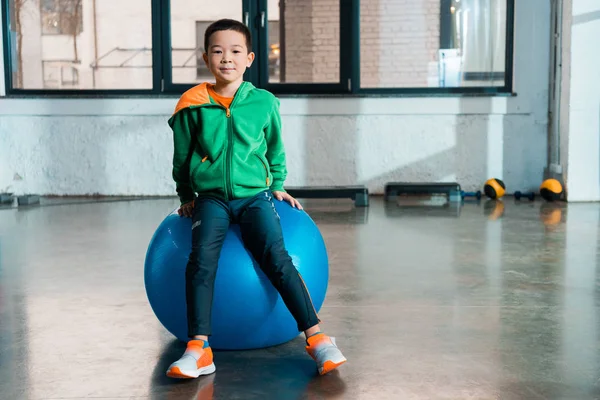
{"x":317,"y":339}
{"x":330,"y":366}
{"x":190,"y":367}
{"x":195,"y":344}
{"x":324,"y":351}
{"x":175,"y":372}
{"x":206,"y":358}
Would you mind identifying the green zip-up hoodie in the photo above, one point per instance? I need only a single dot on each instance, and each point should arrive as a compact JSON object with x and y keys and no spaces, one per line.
{"x":230,"y":153}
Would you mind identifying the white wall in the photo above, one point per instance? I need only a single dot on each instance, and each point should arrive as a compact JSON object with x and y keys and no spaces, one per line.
{"x":580,"y":106}
{"x":123,"y":146}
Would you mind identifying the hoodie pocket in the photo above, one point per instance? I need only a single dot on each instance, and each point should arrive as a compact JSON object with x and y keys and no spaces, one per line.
{"x":200,"y":166}
{"x":265,"y":169}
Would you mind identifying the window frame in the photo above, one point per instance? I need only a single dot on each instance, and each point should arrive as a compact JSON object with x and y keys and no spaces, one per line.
{"x":345,"y":73}
{"x":348,"y":86}
{"x":248,"y":9}
{"x":441,"y":91}
{"x":156,"y":65}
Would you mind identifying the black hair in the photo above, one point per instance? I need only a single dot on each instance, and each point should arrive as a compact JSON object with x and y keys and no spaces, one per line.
{"x":228,"y":25}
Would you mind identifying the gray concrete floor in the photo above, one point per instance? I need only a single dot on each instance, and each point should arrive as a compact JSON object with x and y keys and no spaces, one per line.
{"x":427,"y":302}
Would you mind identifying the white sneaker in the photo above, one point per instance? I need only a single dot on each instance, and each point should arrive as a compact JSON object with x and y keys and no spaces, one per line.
{"x":195,"y":361}
{"x":324,"y":351}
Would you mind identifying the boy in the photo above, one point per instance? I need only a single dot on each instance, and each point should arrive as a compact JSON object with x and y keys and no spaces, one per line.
{"x":229,"y":151}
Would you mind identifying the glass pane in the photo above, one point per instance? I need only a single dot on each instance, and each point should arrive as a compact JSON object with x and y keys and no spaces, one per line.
{"x":189,"y":20}
{"x":308,"y":34}
{"x":433,"y":43}
{"x":78,"y":44}
{"x":46,"y":5}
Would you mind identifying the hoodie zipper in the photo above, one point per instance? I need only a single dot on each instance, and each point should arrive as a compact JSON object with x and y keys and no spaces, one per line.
{"x":228,"y":179}
{"x":228,"y":183}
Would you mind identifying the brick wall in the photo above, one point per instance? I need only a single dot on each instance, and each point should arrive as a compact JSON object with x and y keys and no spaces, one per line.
{"x":399,"y":41}
{"x":312,"y":37}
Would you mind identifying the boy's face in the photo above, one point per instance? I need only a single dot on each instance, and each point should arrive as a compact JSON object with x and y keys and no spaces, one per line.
{"x":227,"y":56}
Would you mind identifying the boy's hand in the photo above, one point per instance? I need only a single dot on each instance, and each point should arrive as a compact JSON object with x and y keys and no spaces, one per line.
{"x":186,"y":210}
{"x":284,"y":196}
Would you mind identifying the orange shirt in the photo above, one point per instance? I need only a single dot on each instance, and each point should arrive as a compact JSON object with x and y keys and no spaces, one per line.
{"x":224,"y":101}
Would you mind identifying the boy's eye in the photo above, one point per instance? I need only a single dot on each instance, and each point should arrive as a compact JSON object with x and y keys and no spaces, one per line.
{"x":236,"y":51}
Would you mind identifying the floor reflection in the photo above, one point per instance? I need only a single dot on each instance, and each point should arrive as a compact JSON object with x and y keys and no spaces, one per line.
{"x":480,"y":299}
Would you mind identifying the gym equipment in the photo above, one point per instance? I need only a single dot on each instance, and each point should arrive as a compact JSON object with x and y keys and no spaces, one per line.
{"x":6,"y":198}
{"x":394,"y":189}
{"x":28,"y":199}
{"x":551,"y":190}
{"x":359,"y":194}
{"x":247,"y":311}
{"x":527,"y":195}
{"x":476,"y":194}
{"x":494,"y":188}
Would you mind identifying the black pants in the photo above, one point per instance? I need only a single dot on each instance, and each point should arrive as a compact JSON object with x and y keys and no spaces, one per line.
{"x":262,"y":235}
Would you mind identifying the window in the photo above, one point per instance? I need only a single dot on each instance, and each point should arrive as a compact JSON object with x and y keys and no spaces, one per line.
{"x":202,"y":73}
{"x":433,"y":44}
{"x":472,"y":43}
{"x":188,"y":21}
{"x":302,"y":47}
{"x":276,"y":71}
{"x":307,"y":33}
{"x":113,"y":50}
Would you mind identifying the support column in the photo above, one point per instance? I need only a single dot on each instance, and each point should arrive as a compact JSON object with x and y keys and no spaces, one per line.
{"x":580,"y":100}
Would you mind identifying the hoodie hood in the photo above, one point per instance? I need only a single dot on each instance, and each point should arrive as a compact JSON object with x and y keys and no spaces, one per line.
{"x":198,"y":96}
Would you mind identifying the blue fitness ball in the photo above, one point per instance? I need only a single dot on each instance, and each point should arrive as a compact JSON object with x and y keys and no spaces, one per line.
{"x":247,"y":311}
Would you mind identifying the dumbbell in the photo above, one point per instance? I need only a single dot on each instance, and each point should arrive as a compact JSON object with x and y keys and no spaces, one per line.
{"x":529,"y":195}
{"x":476,"y":194}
